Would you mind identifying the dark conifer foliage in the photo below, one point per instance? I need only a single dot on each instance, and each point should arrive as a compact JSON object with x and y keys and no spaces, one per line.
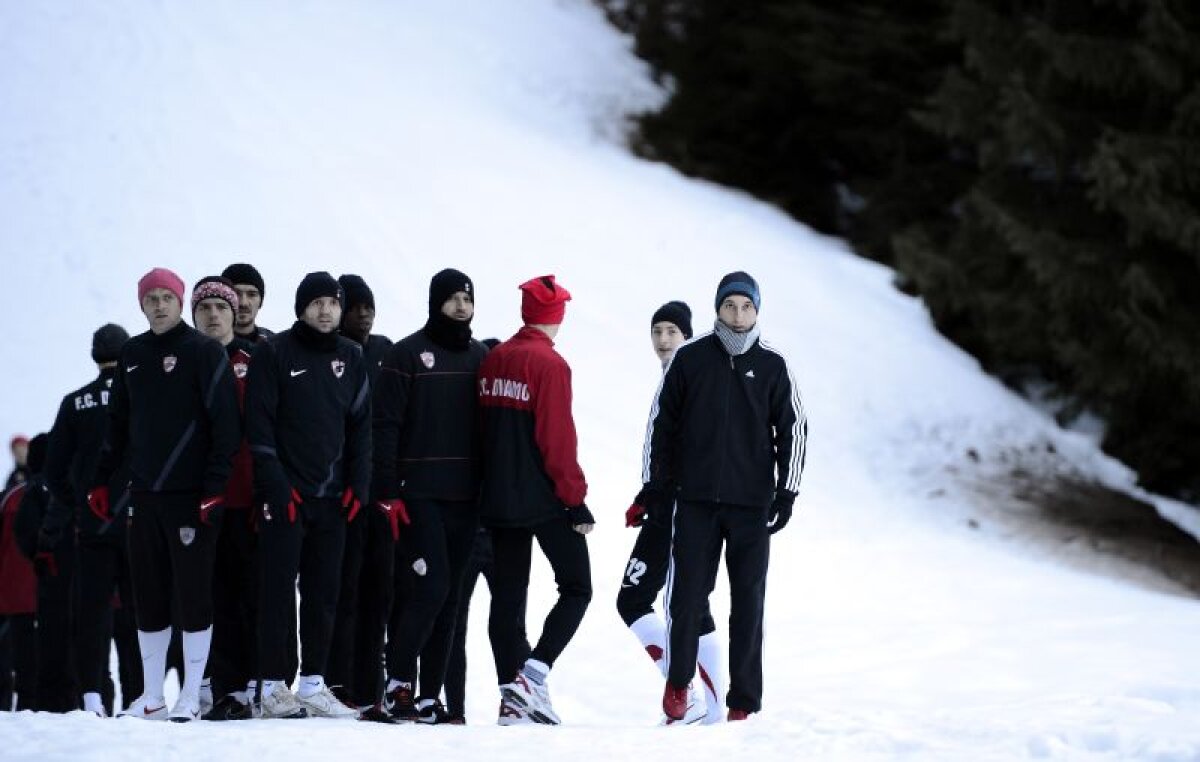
{"x":1031,"y":168}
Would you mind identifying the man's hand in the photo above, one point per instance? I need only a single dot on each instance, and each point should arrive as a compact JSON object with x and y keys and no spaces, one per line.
{"x":97,"y":500}
{"x":396,"y":512}
{"x":350,"y":504}
{"x":781,"y":511}
{"x":581,"y":518}
{"x":207,"y":506}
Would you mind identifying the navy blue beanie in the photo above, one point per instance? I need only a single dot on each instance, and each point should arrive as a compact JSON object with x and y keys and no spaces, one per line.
{"x":738,"y":283}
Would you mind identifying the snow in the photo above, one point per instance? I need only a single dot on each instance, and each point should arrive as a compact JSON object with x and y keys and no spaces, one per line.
{"x":393,"y":139}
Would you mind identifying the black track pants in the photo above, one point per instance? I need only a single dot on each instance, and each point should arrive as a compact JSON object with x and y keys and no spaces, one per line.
{"x":700,"y":529}
{"x":438,"y":546}
{"x":567,"y":552}
{"x":310,"y":547}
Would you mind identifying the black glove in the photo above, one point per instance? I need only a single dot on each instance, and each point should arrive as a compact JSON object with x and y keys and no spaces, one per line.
{"x":581,"y":518}
{"x":780,"y":512}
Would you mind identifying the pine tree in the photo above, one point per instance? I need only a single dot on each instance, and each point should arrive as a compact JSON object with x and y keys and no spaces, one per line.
{"x":1074,"y":251}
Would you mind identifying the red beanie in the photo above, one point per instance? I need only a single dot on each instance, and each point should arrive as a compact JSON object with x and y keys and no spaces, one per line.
{"x":543,"y":301}
{"x":160,"y":277}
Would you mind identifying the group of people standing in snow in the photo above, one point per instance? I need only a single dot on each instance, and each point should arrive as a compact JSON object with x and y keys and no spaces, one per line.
{"x":208,"y":473}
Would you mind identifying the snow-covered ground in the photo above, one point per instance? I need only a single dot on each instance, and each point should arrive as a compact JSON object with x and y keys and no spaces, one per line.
{"x":394,"y":139}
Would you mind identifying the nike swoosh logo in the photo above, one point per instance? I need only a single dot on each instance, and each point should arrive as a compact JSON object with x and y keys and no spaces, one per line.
{"x":298,"y":372}
{"x":131,"y":368}
{"x":147,"y":711}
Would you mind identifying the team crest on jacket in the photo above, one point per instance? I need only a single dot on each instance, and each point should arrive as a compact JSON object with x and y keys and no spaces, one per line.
{"x":240,"y":368}
{"x":427,"y":358}
{"x":339,"y":367}
{"x":186,"y":535}
{"x":169,"y":363}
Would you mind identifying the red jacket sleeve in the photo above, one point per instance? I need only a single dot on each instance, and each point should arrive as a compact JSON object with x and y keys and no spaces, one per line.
{"x":554,"y":431}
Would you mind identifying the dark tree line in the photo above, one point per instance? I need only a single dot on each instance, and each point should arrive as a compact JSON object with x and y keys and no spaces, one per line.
{"x":1031,"y":168}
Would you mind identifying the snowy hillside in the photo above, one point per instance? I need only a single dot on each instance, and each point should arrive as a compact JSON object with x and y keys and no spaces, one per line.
{"x":394,"y":139}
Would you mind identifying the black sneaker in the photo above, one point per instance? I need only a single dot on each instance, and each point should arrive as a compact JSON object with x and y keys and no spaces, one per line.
{"x":456,"y":719}
{"x":399,"y":703}
{"x":228,"y":708}
{"x":377,"y":713}
{"x":431,"y":712}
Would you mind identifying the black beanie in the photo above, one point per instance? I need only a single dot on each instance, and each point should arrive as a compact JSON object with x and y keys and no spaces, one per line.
{"x":245,"y":275}
{"x":738,"y":283}
{"x":35,"y":459}
{"x":107,"y":342}
{"x":675,"y":312}
{"x":357,"y":291}
{"x":445,"y":285}
{"x":314,"y":286}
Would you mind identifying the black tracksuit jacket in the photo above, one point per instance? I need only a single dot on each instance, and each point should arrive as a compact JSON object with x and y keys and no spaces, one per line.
{"x":426,"y":421}
{"x":725,"y":429}
{"x":308,"y":416}
{"x":174,"y":412}
{"x":75,"y":444}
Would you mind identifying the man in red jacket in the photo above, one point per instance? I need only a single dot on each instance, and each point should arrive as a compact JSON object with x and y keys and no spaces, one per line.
{"x":18,"y":610}
{"x":533,"y":487}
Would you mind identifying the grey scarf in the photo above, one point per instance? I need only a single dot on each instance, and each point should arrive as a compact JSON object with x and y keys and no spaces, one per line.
{"x":735,"y":343}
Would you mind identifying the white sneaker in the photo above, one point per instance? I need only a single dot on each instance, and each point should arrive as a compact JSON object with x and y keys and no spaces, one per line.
{"x":206,"y":698}
{"x":282,"y":704}
{"x":324,"y":704}
{"x":186,"y":709}
{"x":94,"y":704}
{"x":531,"y":697}
{"x":511,"y":714}
{"x":147,"y":708}
{"x":696,"y":712}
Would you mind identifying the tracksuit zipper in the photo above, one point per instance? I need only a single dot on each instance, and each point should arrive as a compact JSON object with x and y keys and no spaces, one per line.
{"x":725,"y":424}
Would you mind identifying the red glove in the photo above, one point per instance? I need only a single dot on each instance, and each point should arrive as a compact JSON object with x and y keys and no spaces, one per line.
{"x":206,"y":507}
{"x":292,"y":505}
{"x":351,"y":504}
{"x":97,"y":500}
{"x":397,"y":514}
{"x":635,"y":515}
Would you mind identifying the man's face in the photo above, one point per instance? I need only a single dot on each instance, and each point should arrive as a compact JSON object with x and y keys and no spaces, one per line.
{"x":666,"y":338}
{"x":20,"y":452}
{"x":359,"y":320}
{"x":162,"y":309}
{"x":460,"y":306}
{"x":323,"y":314}
{"x":738,"y":313}
{"x":249,"y":302}
{"x":214,"y":317}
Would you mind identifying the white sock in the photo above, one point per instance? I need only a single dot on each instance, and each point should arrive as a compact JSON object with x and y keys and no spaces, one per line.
{"x":153,"y":646}
{"x":535,"y":670}
{"x":393,"y":684}
{"x":93,"y":703}
{"x":652,"y":632}
{"x":242,"y":696}
{"x":708,"y":662}
{"x":195,"y":659}
{"x":309,"y":685}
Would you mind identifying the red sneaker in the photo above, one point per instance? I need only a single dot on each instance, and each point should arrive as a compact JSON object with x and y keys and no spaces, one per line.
{"x":675,"y":702}
{"x":737,"y":715}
